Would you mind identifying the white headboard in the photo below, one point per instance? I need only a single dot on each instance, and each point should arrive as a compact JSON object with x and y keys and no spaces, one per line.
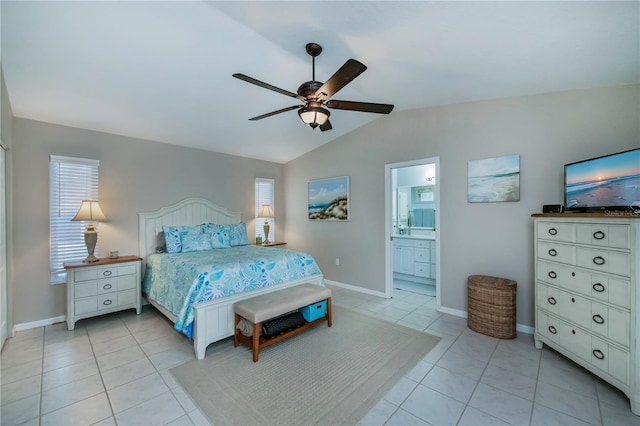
{"x":190,"y":211}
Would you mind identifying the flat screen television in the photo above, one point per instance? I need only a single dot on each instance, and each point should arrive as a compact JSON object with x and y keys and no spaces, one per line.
{"x":611,"y":182}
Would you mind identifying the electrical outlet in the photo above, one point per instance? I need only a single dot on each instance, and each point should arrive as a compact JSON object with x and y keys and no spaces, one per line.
{"x":337,"y":261}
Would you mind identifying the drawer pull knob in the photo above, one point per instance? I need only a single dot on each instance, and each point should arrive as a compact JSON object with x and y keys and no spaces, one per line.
{"x":552,"y":330}
{"x":107,"y":286}
{"x":598,"y":235}
{"x":553,"y":252}
{"x":551,"y":300}
{"x":552,"y":274}
{"x":599,"y":260}
{"x":107,"y":273}
{"x":598,"y":287}
{"x":598,"y":353}
{"x":573,"y":300}
{"x":573,"y":332}
{"x":598,"y":319}
{"x":107,"y":302}
{"x":573,"y":274}
{"x":553,"y":231}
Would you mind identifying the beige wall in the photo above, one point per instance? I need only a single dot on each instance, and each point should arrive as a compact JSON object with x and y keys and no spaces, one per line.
{"x":135,"y":175}
{"x":547,"y":131}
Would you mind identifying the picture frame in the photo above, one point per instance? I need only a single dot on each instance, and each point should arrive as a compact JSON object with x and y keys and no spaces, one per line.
{"x":494,"y":179}
{"x":328,"y":199}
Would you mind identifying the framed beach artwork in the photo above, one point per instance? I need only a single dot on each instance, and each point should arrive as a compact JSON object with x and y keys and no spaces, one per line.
{"x":329,"y":199}
{"x":494,"y":179}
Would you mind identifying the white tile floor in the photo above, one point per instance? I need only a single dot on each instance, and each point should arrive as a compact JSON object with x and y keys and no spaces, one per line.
{"x":114,"y":370}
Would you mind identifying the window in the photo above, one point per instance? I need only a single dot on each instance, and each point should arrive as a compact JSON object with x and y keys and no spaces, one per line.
{"x":264,"y":195}
{"x":71,"y":180}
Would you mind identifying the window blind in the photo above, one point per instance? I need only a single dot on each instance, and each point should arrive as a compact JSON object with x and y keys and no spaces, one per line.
{"x":71,"y":180}
{"x":264,"y":195}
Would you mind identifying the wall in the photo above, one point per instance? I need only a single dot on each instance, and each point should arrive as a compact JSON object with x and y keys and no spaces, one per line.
{"x":547,"y":131}
{"x":135,"y":176}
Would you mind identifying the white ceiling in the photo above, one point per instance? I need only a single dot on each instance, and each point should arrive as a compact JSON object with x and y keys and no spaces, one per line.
{"x":162,"y":70}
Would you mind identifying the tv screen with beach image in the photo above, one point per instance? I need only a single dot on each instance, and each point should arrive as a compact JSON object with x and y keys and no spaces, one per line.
{"x":610,"y":182}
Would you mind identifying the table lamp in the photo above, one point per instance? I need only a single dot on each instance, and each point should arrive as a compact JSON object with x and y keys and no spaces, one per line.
{"x":90,"y":211}
{"x":266,"y":212}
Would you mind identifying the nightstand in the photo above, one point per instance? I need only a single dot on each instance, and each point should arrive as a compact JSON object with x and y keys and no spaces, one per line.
{"x":102,"y":287}
{"x":273,"y":244}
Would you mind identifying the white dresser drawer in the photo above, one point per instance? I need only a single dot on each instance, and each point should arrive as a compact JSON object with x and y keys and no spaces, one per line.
{"x":602,"y":287}
{"x":612,"y":262}
{"x":610,"y":359}
{"x":86,"y":305}
{"x":557,"y":252}
{"x":614,"y":236}
{"x":556,"y":231}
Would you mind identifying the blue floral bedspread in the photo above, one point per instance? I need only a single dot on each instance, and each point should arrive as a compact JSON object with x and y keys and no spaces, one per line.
{"x":178,"y":280}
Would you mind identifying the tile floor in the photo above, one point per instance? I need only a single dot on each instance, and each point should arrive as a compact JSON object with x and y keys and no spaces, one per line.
{"x":114,"y":369}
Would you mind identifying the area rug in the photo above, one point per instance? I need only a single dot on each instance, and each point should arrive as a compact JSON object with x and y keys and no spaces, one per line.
{"x":324,"y":376}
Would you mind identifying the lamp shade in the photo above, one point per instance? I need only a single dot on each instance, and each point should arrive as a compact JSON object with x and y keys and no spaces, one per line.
{"x":314,"y":116}
{"x":89,"y":210}
{"x":266,"y":211}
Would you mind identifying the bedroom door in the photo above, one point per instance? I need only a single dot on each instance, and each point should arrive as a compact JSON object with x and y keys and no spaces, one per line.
{"x":412,"y":231}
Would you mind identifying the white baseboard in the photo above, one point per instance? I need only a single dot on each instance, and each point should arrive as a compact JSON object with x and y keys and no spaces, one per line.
{"x":36,"y":324}
{"x":355,"y":288}
{"x":456,"y":312}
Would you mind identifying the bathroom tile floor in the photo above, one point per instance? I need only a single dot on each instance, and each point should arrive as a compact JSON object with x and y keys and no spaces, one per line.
{"x":114,"y":369}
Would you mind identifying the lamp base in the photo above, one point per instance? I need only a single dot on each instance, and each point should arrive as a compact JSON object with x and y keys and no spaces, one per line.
{"x":91,"y":259}
{"x":266,"y":231}
{"x":90,"y":239}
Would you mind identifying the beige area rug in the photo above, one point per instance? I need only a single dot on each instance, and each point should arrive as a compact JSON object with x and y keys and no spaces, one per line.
{"x":326,"y":376}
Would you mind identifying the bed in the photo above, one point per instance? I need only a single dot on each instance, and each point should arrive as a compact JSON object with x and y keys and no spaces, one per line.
{"x":205,"y":313}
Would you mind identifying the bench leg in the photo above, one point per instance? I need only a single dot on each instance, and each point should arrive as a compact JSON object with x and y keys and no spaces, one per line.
{"x":256,"y":341}
{"x":329,"y":312}
{"x":236,"y":331}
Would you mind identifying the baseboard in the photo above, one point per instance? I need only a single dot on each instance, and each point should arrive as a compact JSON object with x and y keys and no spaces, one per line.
{"x":455,"y":312}
{"x":355,"y":288}
{"x":36,"y":324}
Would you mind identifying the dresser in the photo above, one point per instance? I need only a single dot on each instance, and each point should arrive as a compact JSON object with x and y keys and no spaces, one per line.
{"x":586,"y":294}
{"x":102,"y":287}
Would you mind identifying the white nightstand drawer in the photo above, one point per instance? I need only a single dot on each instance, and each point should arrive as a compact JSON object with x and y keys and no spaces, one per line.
{"x":84,"y":306}
{"x":127,"y":282}
{"x":126,"y":297}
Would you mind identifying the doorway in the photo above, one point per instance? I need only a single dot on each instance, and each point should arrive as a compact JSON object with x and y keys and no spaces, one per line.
{"x":412,"y":226}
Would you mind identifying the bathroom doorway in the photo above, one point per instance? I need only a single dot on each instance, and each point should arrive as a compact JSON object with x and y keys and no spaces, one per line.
{"x":412,"y":231}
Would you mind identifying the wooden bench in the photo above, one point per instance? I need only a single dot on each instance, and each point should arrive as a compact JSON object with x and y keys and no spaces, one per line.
{"x":271,"y":305}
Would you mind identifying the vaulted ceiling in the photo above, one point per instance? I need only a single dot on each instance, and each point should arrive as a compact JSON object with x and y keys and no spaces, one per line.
{"x":163,"y":70}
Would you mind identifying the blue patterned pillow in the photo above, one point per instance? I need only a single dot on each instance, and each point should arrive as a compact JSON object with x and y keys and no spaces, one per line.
{"x":195,"y":242}
{"x":219,"y":236}
{"x":238,"y":234}
{"x":173,"y":236}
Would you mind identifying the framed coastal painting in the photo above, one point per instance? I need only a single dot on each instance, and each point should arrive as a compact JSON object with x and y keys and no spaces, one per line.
{"x":329,"y":199}
{"x":494,"y":179}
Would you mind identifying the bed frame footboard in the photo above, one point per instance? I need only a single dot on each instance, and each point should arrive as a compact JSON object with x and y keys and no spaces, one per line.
{"x":214,"y":319}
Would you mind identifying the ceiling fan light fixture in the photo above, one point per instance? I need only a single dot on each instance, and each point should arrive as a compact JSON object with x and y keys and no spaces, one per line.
{"x":314,"y":116}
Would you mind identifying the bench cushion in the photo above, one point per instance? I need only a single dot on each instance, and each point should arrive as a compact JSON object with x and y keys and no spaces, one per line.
{"x":270,"y":305}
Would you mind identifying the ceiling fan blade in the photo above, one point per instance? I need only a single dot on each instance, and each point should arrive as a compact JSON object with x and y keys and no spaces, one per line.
{"x":360,"y":106}
{"x":269,"y":114}
{"x":350,"y":70}
{"x":326,"y":126}
{"x":268,"y":86}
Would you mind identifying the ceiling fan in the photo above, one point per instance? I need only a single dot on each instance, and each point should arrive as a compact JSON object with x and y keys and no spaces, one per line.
{"x":316,"y":95}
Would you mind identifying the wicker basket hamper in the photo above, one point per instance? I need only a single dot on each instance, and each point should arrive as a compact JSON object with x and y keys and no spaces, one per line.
{"x":492,"y":306}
